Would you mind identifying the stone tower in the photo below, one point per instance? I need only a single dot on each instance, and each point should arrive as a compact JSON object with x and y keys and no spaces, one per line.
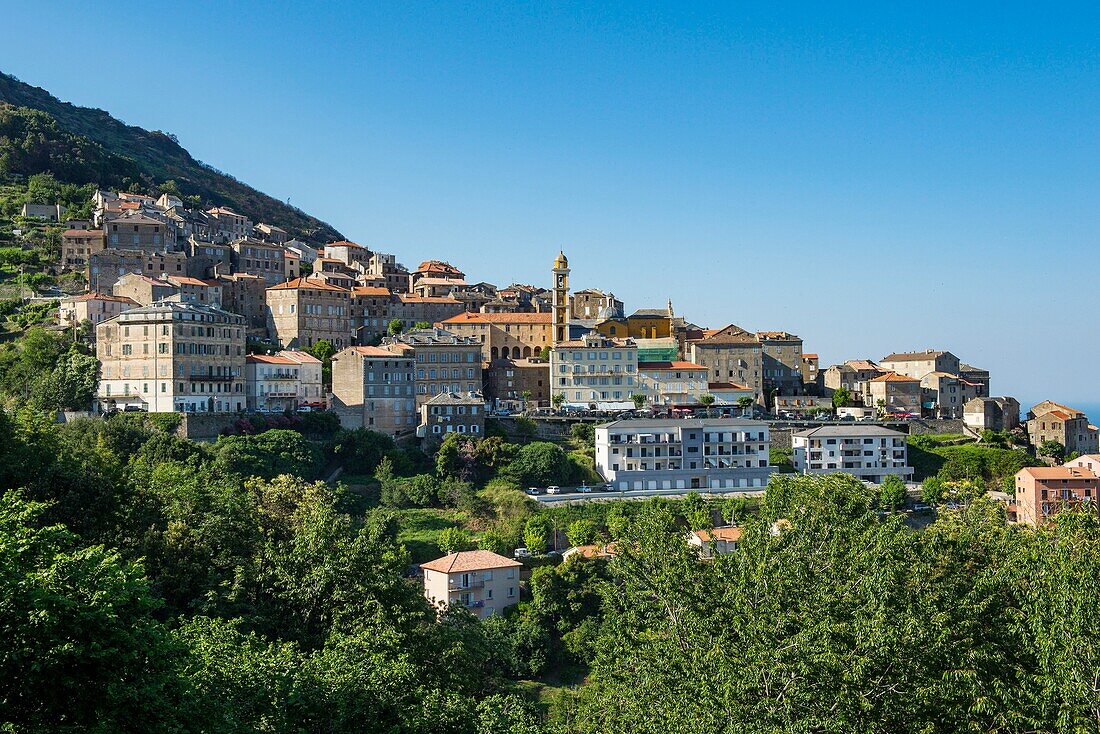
{"x":561,"y":298}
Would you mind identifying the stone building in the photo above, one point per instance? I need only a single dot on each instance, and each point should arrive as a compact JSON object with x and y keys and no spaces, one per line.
{"x":304,"y":311}
{"x":445,"y":362}
{"x":997,"y":414}
{"x":373,"y":388}
{"x":507,"y":381}
{"x":504,"y":335}
{"x":94,"y":307}
{"x":672,"y":383}
{"x":246,"y":295}
{"x":919,"y":364}
{"x":1050,"y":421}
{"x":171,"y":356}
{"x":264,"y":259}
{"x":731,"y":354}
{"x":894,"y":394}
{"x":78,"y":245}
{"x":139,"y":232}
{"x":144,"y":289}
{"x":781,"y":362}
{"x":106,"y":267}
{"x":450,"y":412}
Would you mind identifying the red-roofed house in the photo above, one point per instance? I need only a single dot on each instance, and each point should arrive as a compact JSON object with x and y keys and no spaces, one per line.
{"x":283,"y":381}
{"x":715,"y":542}
{"x":1041,"y":491}
{"x":482,"y":581}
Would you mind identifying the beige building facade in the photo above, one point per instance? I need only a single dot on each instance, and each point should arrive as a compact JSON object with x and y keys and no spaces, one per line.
{"x":504,"y":335}
{"x":171,"y":357}
{"x":304,"y":311}
{"x":483,"y":582}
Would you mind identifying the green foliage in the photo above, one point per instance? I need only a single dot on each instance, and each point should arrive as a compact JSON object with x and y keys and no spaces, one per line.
{"x":841,"y":398}
{"x":396,"y":326}
{"x":453,"y":540}
{"x":422,"y":325}
{"x":268,"y":455}
{"x":1052,"y":449}
{"x":360,"y":450}
{"x":781,"y":459}
{"x":582,"y":532}
{"x":539,"y":464}
{"x":584,"y":434}
{"x":536,"y":535}
{"x":639,"y":400}
{"x":891,"y":493}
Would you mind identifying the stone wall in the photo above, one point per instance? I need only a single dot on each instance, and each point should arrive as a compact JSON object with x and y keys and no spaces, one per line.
{"x":205,"y":426}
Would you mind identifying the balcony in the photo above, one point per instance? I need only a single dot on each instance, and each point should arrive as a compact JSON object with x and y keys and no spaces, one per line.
{"x":211,"y":378}
{"x":457,"y":585}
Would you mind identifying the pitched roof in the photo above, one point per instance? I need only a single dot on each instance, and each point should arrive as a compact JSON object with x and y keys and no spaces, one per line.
{"x":297,"y":283}
{"x":1053,"y":406}
{"x":410,"y":298}
{"x":369,"y":290}
{"x":374,"y":352}
{"x":778,"y":336}
{"x":1058,"y":472}
{"x":894,"y":377}
{"x":717,"y":386}
{"x":469,"y":317}
{"x":82,"y":233}
{"x":809,"y":355}
{"x":345,"y":243}
{"x":299,"y":357}
{"x":731,"y":334}
{"x":863,"y":364}
{"x":268,"y":359}
{"x":185,"y":280}
{"x":914,"y":356}
{"x":476,"y":560}
{"x":452,"y":398}
{"x":840,"y":431}
{"x":728,"y":534}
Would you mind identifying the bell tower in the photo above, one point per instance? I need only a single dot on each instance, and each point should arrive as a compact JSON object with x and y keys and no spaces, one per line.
{"x":561,"y":298}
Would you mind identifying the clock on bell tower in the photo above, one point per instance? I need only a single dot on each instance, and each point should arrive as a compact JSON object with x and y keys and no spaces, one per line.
{"x":561,"y":298}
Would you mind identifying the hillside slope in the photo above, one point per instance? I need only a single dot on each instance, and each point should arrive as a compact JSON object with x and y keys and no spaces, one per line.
{"x":156,"y":157}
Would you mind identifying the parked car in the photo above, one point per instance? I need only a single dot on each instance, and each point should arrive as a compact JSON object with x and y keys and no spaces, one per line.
{"x":553,"y":489}
{"x":134,"y":409}
{"x":584,"y":489}
{"x":606,"y":488}
{"x":304,"y":409}
{"x":533,"y":491}
{"x":922,"y":507}
{"x":502,"y":412}
{"x":521,"y":553}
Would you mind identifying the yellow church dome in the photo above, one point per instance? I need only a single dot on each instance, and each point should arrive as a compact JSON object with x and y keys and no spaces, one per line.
{"x":561,"y":261}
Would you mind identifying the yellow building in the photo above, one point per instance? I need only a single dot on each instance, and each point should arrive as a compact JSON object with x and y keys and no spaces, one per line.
{"x":645,"y":323}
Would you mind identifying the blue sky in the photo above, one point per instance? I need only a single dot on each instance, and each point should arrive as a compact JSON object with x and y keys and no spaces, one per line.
{"x":873,"y":179}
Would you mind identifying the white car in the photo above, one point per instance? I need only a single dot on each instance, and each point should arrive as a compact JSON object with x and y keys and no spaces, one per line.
{"x":584,"y":488}
{"x":522,"y":553}
{"x":553,"y":489}
{"x":533,"y":491}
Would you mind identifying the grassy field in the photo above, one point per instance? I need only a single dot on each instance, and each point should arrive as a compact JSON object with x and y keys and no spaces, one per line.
{"x":420,"y":529}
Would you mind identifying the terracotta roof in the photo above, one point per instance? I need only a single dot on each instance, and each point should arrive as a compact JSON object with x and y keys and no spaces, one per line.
{"x":470,"y":317}
{"x":268,"y":359}
{"x":369,"y":290}
{"x":730,"y":535}
{"x":656,"y":366}
{"x":777,"y":335}
{"x":1061,"y":414}
{"x":184,"y":280}
{"x":1056,"y":406}
{"x":374,"y":352}
{"x":590,"y":551}
{"x":809,"y":355}
{"x":727,"y":386}
{"x":307,"y":283}
{"x":299,"y":357}
{"x":346,"y":243}
{"x":437,"y":266}
{"x":1058,"y":472}
{"x":863,"y":364}
{"x":894,"y":377}
{"x":82,"y":233}
{"x":477,"y":560}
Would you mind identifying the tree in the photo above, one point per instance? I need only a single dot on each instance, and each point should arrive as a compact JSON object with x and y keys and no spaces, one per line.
{"x":454,"y":539}
{"x":892,"y":492}
{"x":396,"y":326}
{"x":639,"y":400}
{"x":735,"y":510}
{"x":544,"y":354}
{"x":706,"y":400}
{"x":1052,"y":449}
{"x":880,"y":407}
{"x":582,"y":532}
{"x":324,"y":351}
{"x":268,"y":455}
{"x":536,"y":535}
{"x":422,"y":325}
{"x":841,"y":397}
{"x":539,"y":464}
{"x":745,"y":403}
{"x":933,"y":491}
{"x":526,"y":397}
{"x":557,"y":399}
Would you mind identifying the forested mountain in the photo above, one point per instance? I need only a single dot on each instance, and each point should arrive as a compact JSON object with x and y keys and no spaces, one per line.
{"x":79,"y":145}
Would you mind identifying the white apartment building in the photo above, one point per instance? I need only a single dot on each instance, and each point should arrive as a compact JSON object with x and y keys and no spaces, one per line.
{"x":710,"y":453}
{"x":594,"y":369}
{"x":283,"y":381}
{"x":171,"y":356}
{"x":870,"y":453}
